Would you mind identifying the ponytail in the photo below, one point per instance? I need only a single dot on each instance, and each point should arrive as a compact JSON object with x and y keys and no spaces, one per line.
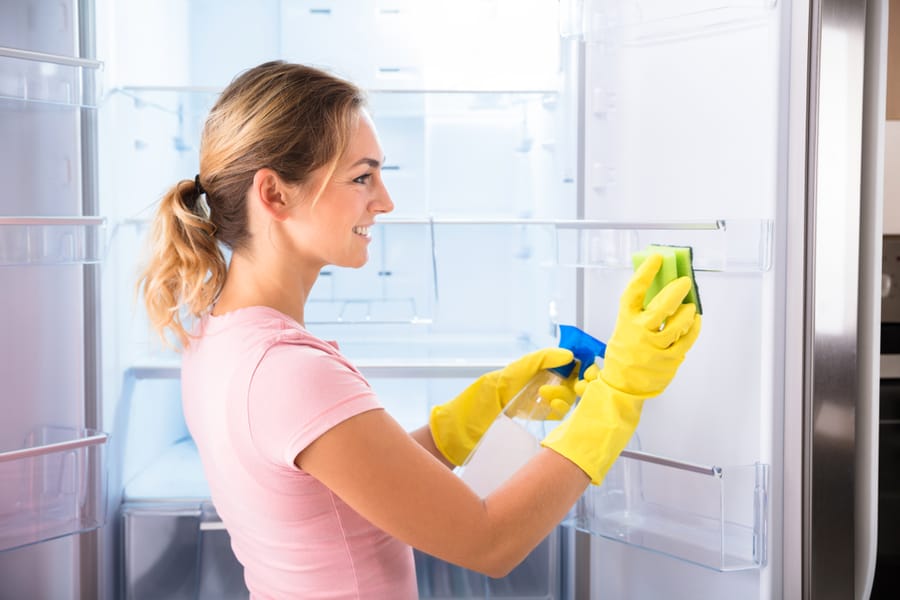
{"x":186,"y":266}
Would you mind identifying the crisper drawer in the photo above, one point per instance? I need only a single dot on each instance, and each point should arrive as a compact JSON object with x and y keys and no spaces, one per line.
{"x":178,"y":551}
{"x":537,"y":577}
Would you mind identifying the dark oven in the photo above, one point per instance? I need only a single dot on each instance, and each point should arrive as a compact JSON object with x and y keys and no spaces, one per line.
{"x":887,"y":570}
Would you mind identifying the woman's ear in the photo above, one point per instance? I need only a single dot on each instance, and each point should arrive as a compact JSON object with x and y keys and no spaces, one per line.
{"x":271,"y":193}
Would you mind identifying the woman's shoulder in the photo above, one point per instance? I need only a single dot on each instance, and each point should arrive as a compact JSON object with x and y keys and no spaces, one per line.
{"x":254,"y":331}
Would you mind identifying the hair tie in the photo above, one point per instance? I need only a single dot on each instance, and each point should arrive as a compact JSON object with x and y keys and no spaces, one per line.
{"x":197,"y":187}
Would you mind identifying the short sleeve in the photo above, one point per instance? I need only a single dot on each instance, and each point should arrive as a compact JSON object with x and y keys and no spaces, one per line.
{"x":297,"y":393}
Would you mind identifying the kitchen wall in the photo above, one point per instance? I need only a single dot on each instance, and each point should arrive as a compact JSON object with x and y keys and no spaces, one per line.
{"x":892,"y":127}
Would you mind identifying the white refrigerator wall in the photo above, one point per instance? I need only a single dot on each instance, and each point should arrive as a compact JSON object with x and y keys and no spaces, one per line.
{"x":684,"y":122}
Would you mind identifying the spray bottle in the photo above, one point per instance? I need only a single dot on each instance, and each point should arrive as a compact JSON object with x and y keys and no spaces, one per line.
{"x":515,"y":435}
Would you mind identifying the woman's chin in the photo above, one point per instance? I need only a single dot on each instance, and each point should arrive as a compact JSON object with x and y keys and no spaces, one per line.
{"x":355,"y":263}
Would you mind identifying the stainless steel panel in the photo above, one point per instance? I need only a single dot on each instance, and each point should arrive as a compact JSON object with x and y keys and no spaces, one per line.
{"x":837,"y":300}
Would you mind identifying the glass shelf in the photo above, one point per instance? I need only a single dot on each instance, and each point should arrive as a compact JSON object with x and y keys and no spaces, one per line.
{"x":48,"y":78}
{"x":50,"y":240}
{"x":657,"y":21}
{"x":411,"y":313}
{"x":711,"y":516}
{"x":371,"y":368}
{"x":52,"y":487}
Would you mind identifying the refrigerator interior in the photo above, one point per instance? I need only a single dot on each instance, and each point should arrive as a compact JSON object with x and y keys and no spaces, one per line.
{"x":463,"y":276}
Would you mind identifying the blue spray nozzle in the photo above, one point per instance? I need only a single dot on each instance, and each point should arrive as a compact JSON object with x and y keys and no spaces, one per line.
{"x":585,"y":347}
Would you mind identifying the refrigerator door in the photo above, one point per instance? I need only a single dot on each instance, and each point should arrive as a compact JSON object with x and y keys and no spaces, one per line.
{"x":747,"y":114}
{"x":52,"y":458}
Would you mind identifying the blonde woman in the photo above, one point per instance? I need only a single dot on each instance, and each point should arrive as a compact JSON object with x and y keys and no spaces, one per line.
{"x":322,"y":492}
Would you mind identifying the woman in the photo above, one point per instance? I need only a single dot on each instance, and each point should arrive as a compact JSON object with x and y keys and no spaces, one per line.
{"x":323,"y":493}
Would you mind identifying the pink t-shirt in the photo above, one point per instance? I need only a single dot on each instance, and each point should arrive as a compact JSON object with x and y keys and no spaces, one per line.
{"x":257,"y":389}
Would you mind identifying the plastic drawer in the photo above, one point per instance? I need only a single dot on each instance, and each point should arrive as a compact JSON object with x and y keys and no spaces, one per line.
{"x":178,"y":551}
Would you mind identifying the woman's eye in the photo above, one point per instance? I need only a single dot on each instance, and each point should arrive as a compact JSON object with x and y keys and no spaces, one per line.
{"x":363,"y":178}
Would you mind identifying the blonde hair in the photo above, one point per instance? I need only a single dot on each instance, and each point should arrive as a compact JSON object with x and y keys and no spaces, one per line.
{"x":290,"y":118}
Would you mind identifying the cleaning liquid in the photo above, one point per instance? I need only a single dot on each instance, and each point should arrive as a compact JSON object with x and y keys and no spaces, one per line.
{"x":512,"y":439}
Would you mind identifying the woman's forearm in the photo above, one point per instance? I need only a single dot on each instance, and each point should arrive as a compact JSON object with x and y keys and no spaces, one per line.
{"x":422,"y":435}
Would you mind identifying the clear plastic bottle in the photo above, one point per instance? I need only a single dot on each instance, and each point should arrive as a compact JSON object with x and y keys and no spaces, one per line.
{"x":512,"y":439}
{"x":515,"y":435}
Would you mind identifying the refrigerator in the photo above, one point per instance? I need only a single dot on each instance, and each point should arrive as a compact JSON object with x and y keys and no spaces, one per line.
{"x":532,"y":146}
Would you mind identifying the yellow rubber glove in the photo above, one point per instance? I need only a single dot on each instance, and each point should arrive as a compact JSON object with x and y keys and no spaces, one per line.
{"x":642,"y":356}
{"x":458,"y":425}
{"x":590,"y":374}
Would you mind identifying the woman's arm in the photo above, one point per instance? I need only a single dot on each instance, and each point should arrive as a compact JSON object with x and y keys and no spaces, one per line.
{"x":390,"y":479}
{"x":386,"y":476}
{"x":423,"y":436}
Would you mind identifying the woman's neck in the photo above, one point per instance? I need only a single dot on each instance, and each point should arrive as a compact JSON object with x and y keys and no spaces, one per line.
{"x":274,"y":284}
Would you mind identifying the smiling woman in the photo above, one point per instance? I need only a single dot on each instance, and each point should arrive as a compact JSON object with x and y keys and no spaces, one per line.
{"x":322,"y":492}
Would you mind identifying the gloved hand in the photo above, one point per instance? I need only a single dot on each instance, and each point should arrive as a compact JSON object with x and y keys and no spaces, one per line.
{"x":458,"y":425}
{"x":590,"y":374}
{"x":642,"y":356}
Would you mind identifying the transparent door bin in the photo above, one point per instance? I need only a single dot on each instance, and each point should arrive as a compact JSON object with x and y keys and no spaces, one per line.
{"x":739,"y":245}
{"x":47,"y":78}
{"x":711,"y":516}
{"x":536,"y":578}
{"x":55,"y":485}
{"x":50,"y":240}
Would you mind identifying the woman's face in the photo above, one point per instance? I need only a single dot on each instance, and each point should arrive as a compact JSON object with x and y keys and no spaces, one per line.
{"x":335,"y":230}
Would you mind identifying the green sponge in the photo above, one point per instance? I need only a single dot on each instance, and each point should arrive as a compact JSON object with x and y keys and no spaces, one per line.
{"x":677,"y":262}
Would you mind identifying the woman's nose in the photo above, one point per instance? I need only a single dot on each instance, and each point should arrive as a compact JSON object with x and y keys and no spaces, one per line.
{"x":383,"y":202}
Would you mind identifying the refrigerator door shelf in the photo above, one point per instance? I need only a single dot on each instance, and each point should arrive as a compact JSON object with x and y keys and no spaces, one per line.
{"x":48,"y":78}
{"x":51,"y":240}
{"x":737,"y":245}
{"x":660,"y":21}
{"x":711,"y":516}
{"x":55,"y":485}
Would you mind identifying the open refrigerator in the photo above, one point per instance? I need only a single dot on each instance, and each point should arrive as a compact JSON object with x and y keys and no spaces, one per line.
{"x":532,"y":146}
